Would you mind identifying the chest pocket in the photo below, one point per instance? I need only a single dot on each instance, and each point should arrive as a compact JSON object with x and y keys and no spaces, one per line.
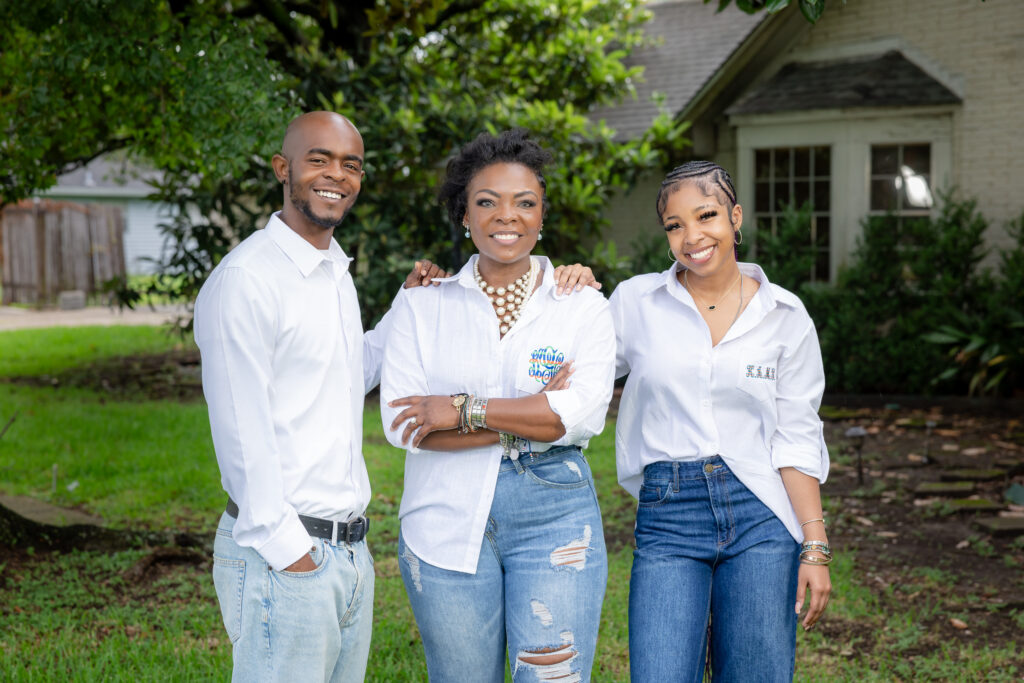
{"x":756,"y":377}
{"x":539,"y":363}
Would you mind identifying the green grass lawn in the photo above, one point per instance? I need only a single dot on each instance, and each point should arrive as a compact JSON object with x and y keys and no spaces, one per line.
{"x":81,"y":616}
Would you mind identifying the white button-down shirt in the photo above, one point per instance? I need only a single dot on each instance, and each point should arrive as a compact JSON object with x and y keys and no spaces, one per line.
{"x":753,"y":398}
{"x":445,"y":340}
{"x":278,"y":327}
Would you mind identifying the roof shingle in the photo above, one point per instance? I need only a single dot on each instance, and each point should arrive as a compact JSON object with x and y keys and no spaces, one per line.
{"x":887,"y":80}
{"x":694,"y":42}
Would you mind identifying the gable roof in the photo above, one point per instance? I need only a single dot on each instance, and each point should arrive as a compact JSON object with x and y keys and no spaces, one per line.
{"x":694,"y":41}
{"x":886,"y":80}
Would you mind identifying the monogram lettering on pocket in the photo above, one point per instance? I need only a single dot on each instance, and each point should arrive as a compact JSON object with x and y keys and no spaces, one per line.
{"x":761,"y":372}
{"x":544,"y":363}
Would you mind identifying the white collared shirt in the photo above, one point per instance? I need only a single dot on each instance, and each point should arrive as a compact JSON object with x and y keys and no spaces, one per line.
{"x":278,"y":327}
{"x":753,"y":398}
{"x":444,"y":340}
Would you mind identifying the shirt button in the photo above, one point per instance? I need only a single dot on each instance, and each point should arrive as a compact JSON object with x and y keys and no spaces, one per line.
{"x":709,"y":468}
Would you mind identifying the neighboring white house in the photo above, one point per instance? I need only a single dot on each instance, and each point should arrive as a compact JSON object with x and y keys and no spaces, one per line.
{"x":874,"y":109}
{"x":112,"y":182}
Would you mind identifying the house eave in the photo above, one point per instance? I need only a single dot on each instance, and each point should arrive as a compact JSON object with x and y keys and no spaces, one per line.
{"x":843,"y":113}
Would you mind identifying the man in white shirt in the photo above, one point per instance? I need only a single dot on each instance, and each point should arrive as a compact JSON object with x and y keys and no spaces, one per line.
{"x":282,"y":345}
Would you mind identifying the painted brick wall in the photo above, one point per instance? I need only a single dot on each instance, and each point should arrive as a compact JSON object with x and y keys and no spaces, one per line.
{"x":979,"y":46}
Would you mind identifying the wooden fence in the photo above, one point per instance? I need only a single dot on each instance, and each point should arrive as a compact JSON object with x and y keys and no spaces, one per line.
{"x":47,"y":247}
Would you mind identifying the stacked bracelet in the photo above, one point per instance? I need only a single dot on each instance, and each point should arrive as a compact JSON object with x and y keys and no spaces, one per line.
{"x":461,"y":403}
{"x":821,"y":547}
{"x":478,"y":414}
{"x":811,"y":521}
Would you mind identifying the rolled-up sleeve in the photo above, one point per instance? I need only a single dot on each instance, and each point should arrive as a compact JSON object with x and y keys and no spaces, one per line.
{"x":583,"y":407}
{"x":235,"y":331}
{"x":402,"y":372}
{"x":798,"y":440}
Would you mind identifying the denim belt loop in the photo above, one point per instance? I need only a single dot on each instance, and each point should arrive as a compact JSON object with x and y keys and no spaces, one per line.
{"x":675,"y":476}
{"x":518,"y":465}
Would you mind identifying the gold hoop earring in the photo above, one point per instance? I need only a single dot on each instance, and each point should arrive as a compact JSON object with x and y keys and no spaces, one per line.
{"x":672,"y":254}
{"x":739,"y":238}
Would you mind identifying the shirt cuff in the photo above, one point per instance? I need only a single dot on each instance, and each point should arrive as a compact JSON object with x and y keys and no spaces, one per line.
{"x":806,"y":459}
{"x":288,"y":544}
{"x":568,"y":408}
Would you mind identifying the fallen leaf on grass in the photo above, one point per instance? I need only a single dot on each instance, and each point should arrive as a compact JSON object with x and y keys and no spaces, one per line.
{"x":981,"y":450}
{"x":950,"y":447}
{"x":864,"y":521}
{"x":952,"y":433}
{"x":1008,"y":446}
{"x":963,"y":544}
{"x":957,"y":623}
{"x":887,"y":534}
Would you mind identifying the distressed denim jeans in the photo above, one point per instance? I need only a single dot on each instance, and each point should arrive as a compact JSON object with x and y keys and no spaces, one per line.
{"x":287,"y":626}
{"x":706,"y":547}
{"x":538,"y":586}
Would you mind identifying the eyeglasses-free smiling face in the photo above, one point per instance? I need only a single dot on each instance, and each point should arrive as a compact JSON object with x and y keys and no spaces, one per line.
{"x":505,"y":210}
{"x":322,"y":165}
{"x":700,"y":229}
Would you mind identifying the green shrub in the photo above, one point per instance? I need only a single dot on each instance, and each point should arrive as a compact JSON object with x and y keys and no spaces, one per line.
{"x":985,"y":345}
{"x":913,"y":312}
{"x":787,"y":257}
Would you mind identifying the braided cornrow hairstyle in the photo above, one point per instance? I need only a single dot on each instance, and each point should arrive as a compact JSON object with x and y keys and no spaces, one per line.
{"x":712,"y":179}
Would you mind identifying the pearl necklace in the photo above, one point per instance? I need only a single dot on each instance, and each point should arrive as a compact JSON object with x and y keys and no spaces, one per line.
{"x":508,"y":302}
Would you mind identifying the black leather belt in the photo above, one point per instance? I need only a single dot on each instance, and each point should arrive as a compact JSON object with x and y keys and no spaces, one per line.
{"x":349,"y":532}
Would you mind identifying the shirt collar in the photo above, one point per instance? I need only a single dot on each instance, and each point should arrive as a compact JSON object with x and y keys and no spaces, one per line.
{"x":765,"y":293}
{"x":304,"y":255}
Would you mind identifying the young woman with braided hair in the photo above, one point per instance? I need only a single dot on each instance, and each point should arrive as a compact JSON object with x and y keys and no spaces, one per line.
{"x":719,"y":439}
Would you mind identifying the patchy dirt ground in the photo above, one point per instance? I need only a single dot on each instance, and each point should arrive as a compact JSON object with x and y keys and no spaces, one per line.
{"x":915,"y":543}
{"x":913,"y":546}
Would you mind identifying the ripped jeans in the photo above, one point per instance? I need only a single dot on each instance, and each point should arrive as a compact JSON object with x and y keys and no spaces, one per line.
{"x":538,"y":586}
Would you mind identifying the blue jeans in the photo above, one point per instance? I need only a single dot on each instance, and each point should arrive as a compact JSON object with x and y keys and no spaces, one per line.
{"x":287,"y":626}
{"x":706,"y":547}
{"x":538,"y":586}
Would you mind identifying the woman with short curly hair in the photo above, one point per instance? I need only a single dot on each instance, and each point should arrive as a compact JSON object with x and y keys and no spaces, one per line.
{"x":501,"y":545}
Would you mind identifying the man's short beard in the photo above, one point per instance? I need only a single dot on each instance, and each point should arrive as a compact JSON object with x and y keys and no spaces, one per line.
{"x":303,"y":206}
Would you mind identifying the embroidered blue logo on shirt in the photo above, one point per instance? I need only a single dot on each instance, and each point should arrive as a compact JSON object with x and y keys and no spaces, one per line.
{"x":544,"y":363}
{"x":761,"y":372}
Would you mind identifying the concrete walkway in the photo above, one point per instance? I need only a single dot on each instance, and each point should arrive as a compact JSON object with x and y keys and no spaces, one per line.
{"x":15,"y":318}
{"x":45,"y":513}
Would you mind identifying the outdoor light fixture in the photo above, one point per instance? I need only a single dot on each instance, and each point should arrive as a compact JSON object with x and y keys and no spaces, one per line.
{"x":857,"y":434}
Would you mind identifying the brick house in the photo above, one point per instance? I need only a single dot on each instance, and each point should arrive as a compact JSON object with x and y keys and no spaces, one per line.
{"x":876,"y":108}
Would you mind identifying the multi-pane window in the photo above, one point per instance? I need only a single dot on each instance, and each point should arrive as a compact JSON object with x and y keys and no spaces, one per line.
{"x":901,"y":180}
{"x":796,"y":176}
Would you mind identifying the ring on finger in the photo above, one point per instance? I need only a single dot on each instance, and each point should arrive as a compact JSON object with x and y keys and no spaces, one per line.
{"x":413,"y":421}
